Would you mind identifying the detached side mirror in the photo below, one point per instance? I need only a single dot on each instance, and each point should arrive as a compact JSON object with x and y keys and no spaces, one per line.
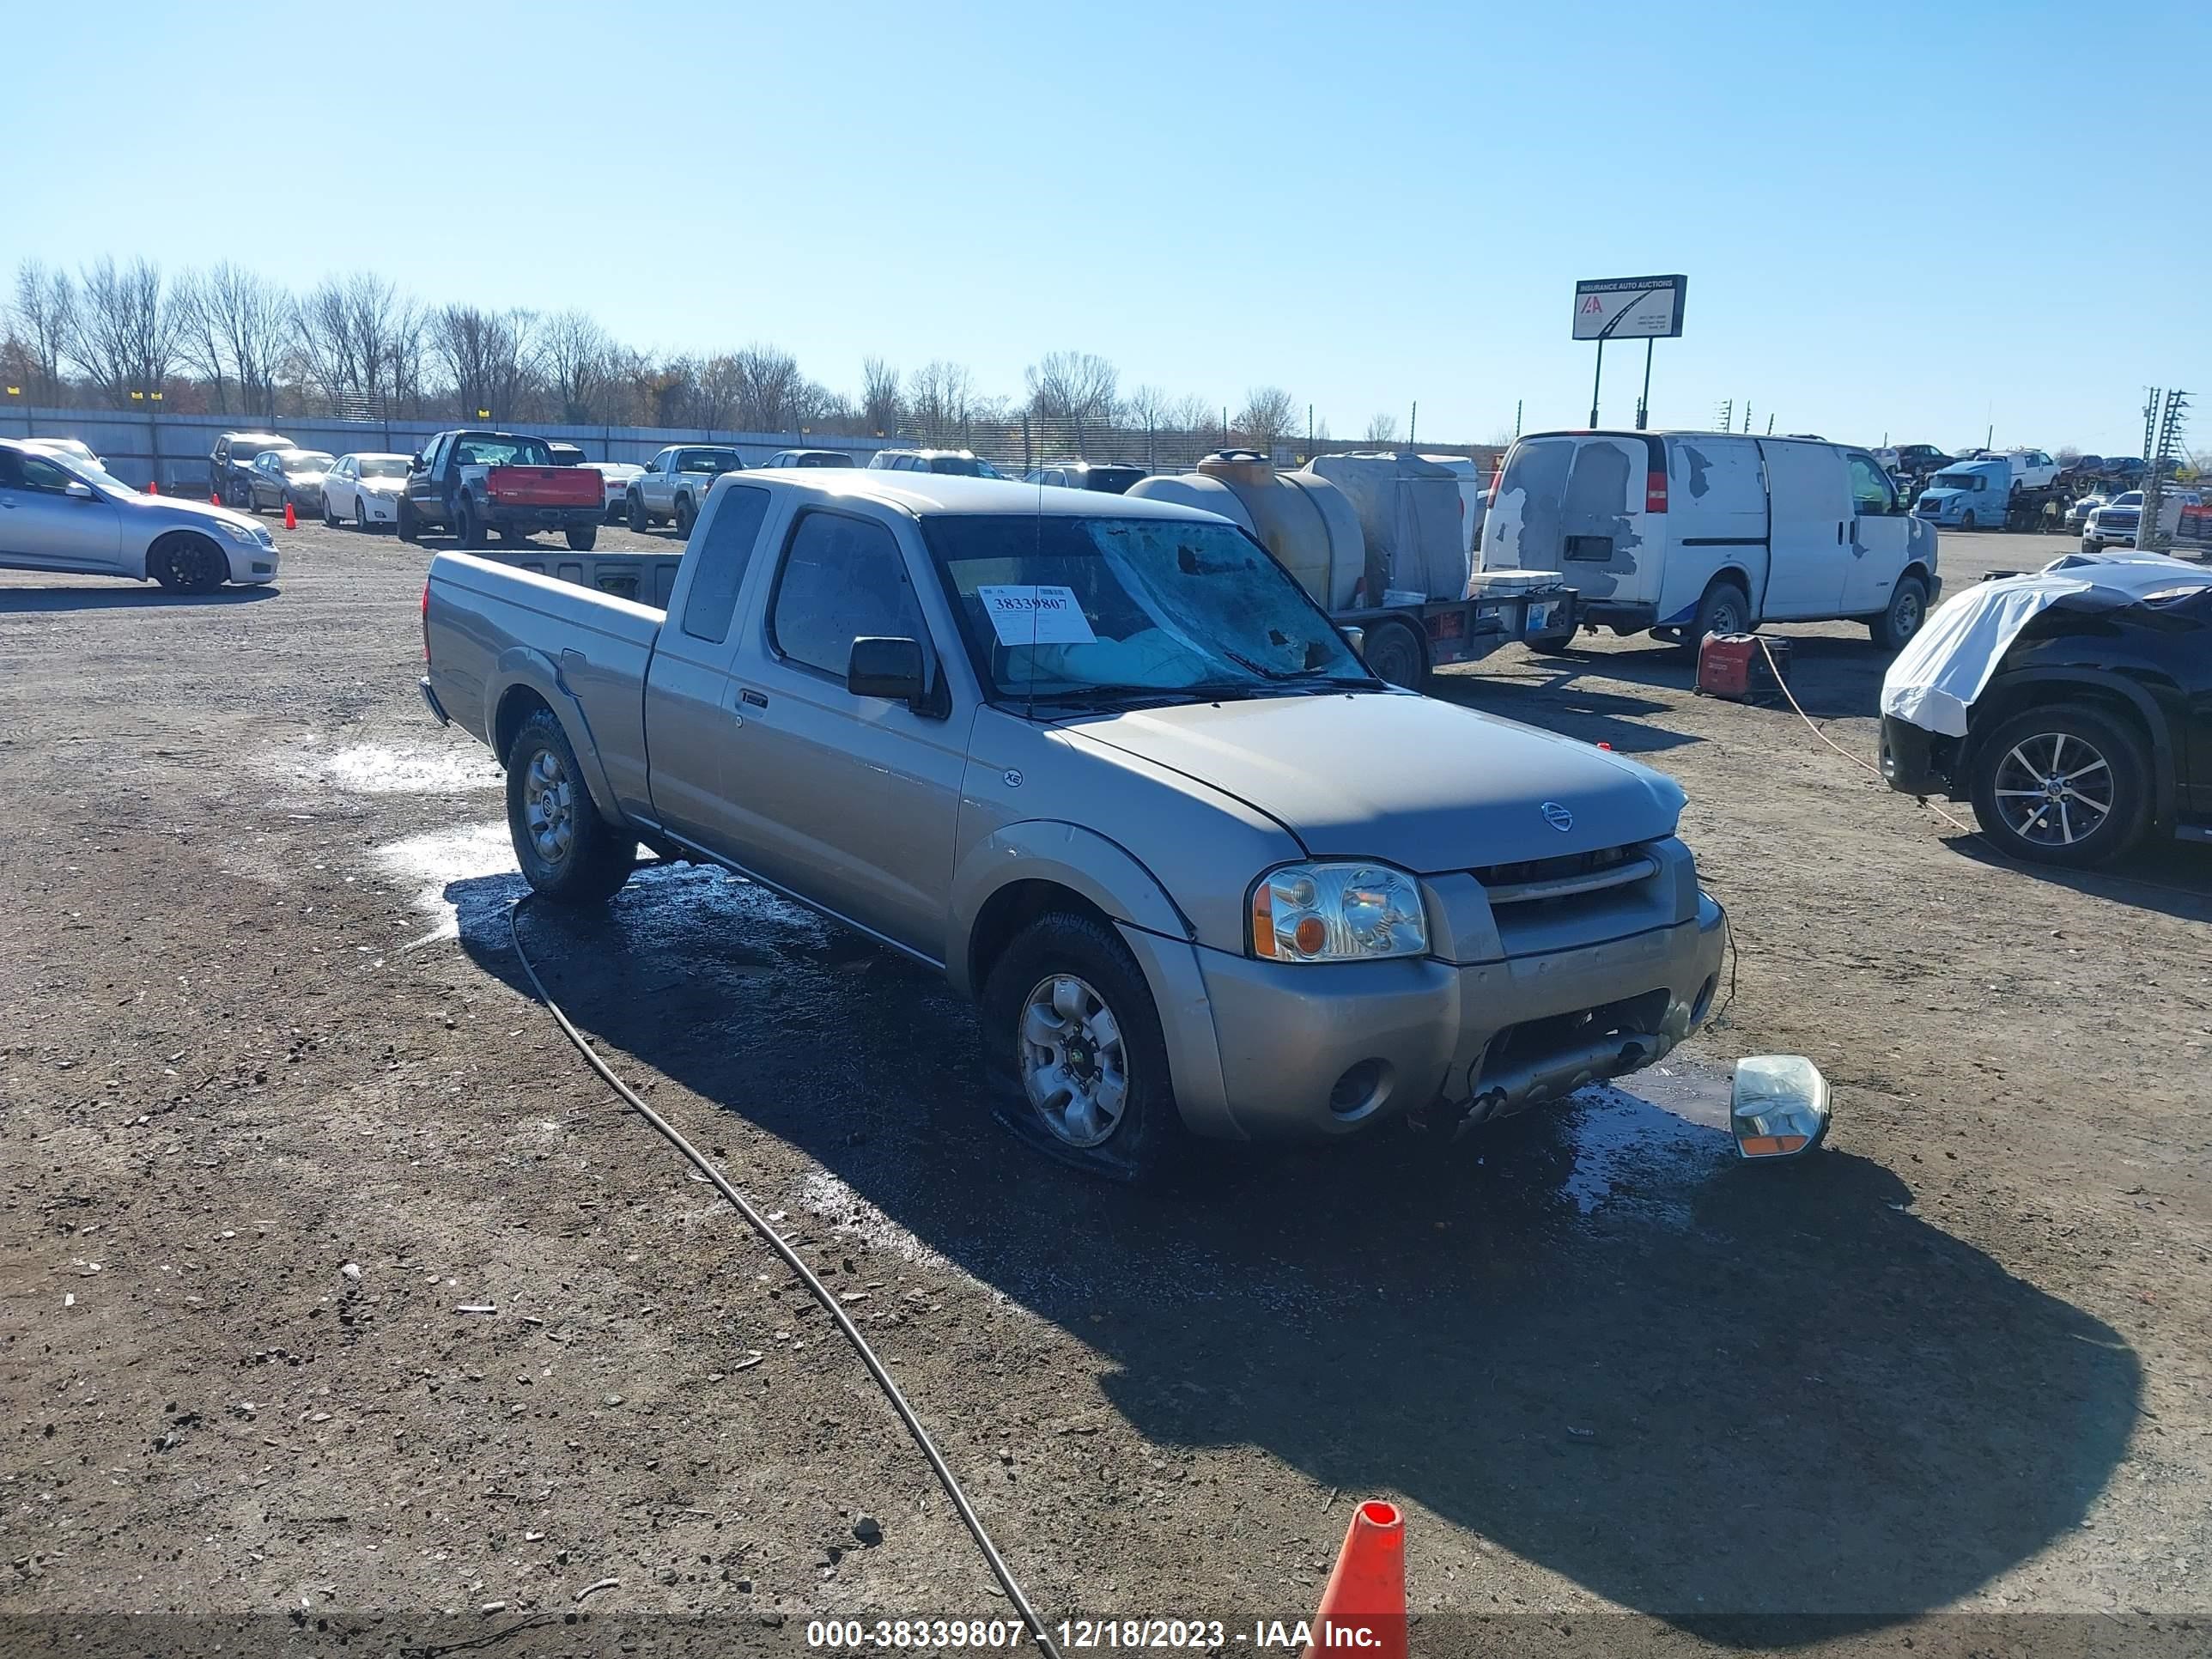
{"x":1779,"y":1108}
{"x":1356,"y":639}
{"x":78,"y":490}
{"x":888,"y":668}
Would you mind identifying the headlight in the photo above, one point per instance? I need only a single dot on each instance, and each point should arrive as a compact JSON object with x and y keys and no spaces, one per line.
{"x":1337,"y":913}
{"x":248,"y":533}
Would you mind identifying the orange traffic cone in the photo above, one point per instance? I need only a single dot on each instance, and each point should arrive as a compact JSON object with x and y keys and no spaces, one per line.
{"x":214,"y":500}
{"x":1362,"y":1607}
{"x":291,"y":518}
{"x":152,"y":486}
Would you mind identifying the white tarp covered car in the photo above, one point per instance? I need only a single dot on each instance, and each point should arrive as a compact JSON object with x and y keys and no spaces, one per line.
{"x":2072,"y":706}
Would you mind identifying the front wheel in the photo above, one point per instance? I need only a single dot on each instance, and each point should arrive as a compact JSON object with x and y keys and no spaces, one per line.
{"x":2089,"y":546}
{"x":1967,"y":519}
{"x":583,"y":537}
{"x":567,"y":852}
{"x":186,"y":564}
{"x":330,"y":511}
{"x":2065,"y":784}
{"x":1908,"y":609}
{"x":1067,"y":1014}
{"x":404,"y":524}
{"x":686,"y":518}
{"x":640,"y":520}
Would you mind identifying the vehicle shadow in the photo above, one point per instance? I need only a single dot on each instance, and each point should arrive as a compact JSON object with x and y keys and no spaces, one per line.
{"x":1834,"y":677}
{"x":1558,"y":703}
{"x":30,"y":600}
{"x":2172,"y":878}
{"x":1702,"y":1390}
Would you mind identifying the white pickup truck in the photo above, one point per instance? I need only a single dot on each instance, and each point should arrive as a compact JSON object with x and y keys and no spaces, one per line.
{"x":674,"y":485}
{"x":1102,"y":762}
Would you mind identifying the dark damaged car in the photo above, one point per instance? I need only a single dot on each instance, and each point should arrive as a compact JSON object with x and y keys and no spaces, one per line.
{"x":2073,"y":706}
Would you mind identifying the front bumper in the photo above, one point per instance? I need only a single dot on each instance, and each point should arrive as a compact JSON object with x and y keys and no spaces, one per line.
{"x":251,"y":564}
{"x":1315,"y":1052}
{"x":380,"y":509}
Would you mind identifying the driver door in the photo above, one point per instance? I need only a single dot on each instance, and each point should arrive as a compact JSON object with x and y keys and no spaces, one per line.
{"x":44,"y":527}
{"x":849,"y":802}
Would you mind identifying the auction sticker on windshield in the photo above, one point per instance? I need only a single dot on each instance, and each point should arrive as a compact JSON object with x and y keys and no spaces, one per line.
{"x":1035,"y":616}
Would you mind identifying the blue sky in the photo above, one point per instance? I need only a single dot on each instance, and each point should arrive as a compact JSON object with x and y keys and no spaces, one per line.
{"x":1892,"y":224}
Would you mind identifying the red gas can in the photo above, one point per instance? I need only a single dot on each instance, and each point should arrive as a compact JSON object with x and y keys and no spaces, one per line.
{"x":1737,"y":666}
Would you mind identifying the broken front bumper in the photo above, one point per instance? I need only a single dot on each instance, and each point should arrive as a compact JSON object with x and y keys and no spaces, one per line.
{"x":1311,"y":1052}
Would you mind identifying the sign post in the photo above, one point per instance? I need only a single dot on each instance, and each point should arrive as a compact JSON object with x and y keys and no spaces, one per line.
{"x":1628,"y":308}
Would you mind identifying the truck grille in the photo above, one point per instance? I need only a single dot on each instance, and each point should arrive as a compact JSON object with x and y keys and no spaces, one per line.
{"x":1534,"y":881}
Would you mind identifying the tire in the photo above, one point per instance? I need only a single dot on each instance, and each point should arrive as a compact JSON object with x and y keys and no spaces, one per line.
{"x":330,"y":513}
{"x":1908,"y":609}
{"x":2107,"y":770}
{"x":360,"y":513}
{"x":567,"y":852}
{"x":467,"y":525}
{"x":184,"y":563}
{"x":1967,"y":519}
{"x":640,"y":520}
{"x":1072,"y":969}
{"x":686,"y":518}
{"x":404,"y":521}
{"x":1395,"y":654}
{"x":238,"y":497}
{"x":1725,"y":608}
{"x":2089,"y":546}
{"x":583,"y":537}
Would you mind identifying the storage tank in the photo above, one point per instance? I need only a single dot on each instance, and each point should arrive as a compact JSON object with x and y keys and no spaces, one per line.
{"x":1410,"y":514}
{"x":1304,"y":520}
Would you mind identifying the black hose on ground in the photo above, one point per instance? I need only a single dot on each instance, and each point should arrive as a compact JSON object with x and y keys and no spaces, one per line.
{"x":820,"y":1291}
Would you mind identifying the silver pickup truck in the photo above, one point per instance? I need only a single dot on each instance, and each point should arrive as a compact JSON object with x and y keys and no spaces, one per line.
{"x":1105,"y":764}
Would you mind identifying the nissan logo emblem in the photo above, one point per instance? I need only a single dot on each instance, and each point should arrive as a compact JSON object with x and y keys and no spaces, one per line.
{"x":1558,"y":816}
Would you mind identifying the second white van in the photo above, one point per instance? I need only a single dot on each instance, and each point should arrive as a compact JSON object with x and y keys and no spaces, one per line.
{"x":1691,"y":533}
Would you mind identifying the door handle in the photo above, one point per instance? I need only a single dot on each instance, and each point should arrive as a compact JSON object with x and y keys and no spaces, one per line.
{"x":754,"y":698}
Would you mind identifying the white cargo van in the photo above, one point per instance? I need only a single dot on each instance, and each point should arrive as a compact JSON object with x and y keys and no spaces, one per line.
{"x":1691,"y":533}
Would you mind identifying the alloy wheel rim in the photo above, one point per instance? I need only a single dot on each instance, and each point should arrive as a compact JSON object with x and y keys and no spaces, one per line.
{"x":549,"y":807}
{"x":1074,"y":1065}
{"x":2055,"y":789}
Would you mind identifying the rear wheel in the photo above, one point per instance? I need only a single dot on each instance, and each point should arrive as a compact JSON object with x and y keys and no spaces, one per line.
{"x":1725,"y":609}
{"x":583,"y":537}
{"x":1908,"y":609}
{"x":2065,"y":784}
{"x":185,"y":564}
{"x":567,"y":852}
{"x":1068,"y":1016}
{"x":1395,"y":654}
{"x":467,"y":525}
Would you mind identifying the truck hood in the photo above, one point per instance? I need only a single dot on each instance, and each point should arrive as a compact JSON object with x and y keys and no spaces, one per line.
{"x":1426,"y":786}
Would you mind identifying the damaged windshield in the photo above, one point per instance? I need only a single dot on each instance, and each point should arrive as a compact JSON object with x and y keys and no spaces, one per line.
{"x":1064,"y":609}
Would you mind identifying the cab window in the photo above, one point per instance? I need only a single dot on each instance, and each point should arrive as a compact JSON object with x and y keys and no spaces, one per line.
{"x":842,"y":580}
{"x":1871,"y":492}
{"x":723,"y":557}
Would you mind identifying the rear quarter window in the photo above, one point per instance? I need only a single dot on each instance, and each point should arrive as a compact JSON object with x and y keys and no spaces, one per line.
{"x":726,"y":552}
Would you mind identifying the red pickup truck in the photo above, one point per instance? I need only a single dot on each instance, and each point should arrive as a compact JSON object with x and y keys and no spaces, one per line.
{"x":471,"y":482}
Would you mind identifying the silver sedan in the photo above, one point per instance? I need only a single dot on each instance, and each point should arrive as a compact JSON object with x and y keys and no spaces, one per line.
{"x":69,"y":517}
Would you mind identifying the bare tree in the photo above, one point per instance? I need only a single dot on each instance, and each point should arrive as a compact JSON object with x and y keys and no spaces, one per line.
{"x":1078,"y":388}
{"x":1148,"y":406}
{"x":940,"y":402}
{"x":487,"y":357}
{"x":124,"y":337}
{"x":1199,"y":416}
{"x":323,"y":342}
{"x":879,"y":397}
{"x":45,"y":317}
{"x":768,"y":390}
{"x":1381,"y":429}
{"x":406,"y":355}
{"x":1268,"y":414}
{"x":713,"y":388}
{"x":375,"y":316}
{"x":235,"y":328}
{"x":575,"y":354}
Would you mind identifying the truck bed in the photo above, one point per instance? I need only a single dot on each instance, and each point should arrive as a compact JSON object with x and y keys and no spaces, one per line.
{"x":644,"y":578}
{"x":585,"y":645}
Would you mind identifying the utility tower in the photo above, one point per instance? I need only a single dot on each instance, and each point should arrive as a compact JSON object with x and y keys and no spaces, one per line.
{"x":2163,"y":455}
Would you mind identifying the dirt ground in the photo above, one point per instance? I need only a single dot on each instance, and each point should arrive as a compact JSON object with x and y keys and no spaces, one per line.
{"x":339,"y":1301}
